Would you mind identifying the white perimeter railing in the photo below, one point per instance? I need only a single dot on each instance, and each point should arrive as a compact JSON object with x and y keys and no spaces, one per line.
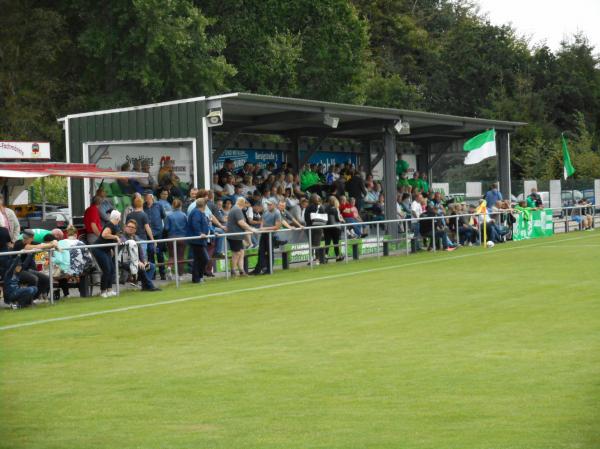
{"x":395,"y":228}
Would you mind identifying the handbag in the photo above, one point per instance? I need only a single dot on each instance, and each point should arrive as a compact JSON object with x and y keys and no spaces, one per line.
{"x":318,"y":218}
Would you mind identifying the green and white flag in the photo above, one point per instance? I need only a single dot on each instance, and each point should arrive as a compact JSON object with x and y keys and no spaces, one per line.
{"x":480,"y":147}
{"x":568,"y":167}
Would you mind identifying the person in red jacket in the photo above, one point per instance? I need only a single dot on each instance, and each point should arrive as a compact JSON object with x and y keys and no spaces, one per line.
{"x":92,"y":220}
{"x":348,"y":214}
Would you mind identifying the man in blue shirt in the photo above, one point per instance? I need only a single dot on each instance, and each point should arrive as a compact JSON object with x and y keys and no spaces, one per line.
{"x":198,"y":227}
{"x":492,"y":195}
{"x":156,"y":214}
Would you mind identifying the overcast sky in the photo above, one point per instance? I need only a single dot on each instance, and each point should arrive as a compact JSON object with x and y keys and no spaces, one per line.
{"x":549,"y":20}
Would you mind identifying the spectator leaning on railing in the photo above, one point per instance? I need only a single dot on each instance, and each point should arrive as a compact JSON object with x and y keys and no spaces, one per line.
{"x":29,"y":274}
{"x":271,"y":221}
{"x":236,"y":223}
{"x":104,"y":255}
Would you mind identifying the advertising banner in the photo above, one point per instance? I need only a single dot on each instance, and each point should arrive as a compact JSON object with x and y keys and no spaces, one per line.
{"x":328,"y":158}
{"x":24,"y":150}
{"x":241,"y":156}
{"x":537,"y":224}
{"x":155,"y":155}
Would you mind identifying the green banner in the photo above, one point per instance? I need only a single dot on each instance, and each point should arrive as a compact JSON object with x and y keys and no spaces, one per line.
{"x":538,"y":223}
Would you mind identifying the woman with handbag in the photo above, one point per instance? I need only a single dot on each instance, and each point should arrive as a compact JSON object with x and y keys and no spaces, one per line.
{"x":332,"y":234}
{"x":314,"y":215}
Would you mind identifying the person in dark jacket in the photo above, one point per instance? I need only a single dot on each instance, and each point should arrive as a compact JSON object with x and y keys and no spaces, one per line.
{"x":197,"y":226}
{"x":332,"y":235}
{"x":356,"y":189}
{"x":176,"y":226}
{"x":15,"y":295}
{"x":315,"y":234}
{"x":429,"y":224}
{"x":156,"y":216}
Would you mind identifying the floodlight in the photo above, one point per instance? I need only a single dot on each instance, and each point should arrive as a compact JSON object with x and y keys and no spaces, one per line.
{"x":402,"y":128}
{"x":214,"y":117}
{"x":331,"y":121}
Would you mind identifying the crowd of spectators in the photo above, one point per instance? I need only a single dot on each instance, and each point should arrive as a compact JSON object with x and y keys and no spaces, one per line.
{"x":250,"y":204}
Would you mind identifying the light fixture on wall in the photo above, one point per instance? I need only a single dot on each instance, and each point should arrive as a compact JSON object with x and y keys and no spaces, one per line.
{"x":214,"y":117}
{"x":331,"y":121}
{"x":402,"y":128}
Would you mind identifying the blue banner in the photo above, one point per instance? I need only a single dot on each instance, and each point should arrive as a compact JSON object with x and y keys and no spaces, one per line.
{"x":241,"y":156}
{"x":328,"y":158}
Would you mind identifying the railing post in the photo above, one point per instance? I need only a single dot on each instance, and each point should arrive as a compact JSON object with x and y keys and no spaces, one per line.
{"x":377,"y":246}
{"x":345,"y":231}
{"x":175,"y":264}
{"x":227,"y":260}
{"x":269,"y":236}
{"x":457,"y":232}
{"x":117,"y":269}
{"x":433,"y":242}
{"x":50,"y":274}
{"x":310,"y":259}
{"x":406,"y":226}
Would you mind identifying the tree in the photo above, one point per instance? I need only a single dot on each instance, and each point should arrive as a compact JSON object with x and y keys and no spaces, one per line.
{"x":139,"y":51}
{"x":31,"y":85}
{"x":320,"y":47}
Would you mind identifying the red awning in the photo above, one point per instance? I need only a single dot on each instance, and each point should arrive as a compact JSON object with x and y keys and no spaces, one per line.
{"x":34,"y":169}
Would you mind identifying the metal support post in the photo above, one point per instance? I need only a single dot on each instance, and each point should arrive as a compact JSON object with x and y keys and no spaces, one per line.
{"x":50,"y":271}
{"x":118,"y":287}
{"x":345,"y":231}
{"x":433,"y":243}
{"x":175,"y":264}
{"x":377,"y":247}
{"x":310,"y":259}
{"x":406,"y":226}
{"x":457,"y":232}
{"x":269,"y":236}
{"x":227,"y":261}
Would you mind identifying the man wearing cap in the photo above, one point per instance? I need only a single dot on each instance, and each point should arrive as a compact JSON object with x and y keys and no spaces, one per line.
{"x":29,"y":274}
{"x":271,"y":221}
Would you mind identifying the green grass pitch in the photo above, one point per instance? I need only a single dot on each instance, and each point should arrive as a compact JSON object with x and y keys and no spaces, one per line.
{"x":486,"y":349}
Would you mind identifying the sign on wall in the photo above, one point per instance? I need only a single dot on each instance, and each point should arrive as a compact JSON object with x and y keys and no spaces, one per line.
{"x":328,"y":158}
{"x":241,"y":156}
{"x":155,"y":155}
{"x":24,"y":150}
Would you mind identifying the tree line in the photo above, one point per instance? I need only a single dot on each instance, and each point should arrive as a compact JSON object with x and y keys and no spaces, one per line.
{"x":67,"y":56}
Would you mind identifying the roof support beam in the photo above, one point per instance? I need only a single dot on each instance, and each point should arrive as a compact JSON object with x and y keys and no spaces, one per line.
{"x":312,"y":150}
{"x":436,"y":158}
{"x":343,"y":126}
{"x":226,"y":143}
{"x":378,"y":157}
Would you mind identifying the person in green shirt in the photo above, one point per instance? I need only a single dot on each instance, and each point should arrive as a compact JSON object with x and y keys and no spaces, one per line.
{"x":534,"y":200}
{"x":309,"y":180}
{"x":414,"y":182}
{"x":423,"y":184}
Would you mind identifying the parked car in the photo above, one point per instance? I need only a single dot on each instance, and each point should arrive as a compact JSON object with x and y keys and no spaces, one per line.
{"x":545,"y":198}
{"x":570,"y":197}
{"x":589,"y":195}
